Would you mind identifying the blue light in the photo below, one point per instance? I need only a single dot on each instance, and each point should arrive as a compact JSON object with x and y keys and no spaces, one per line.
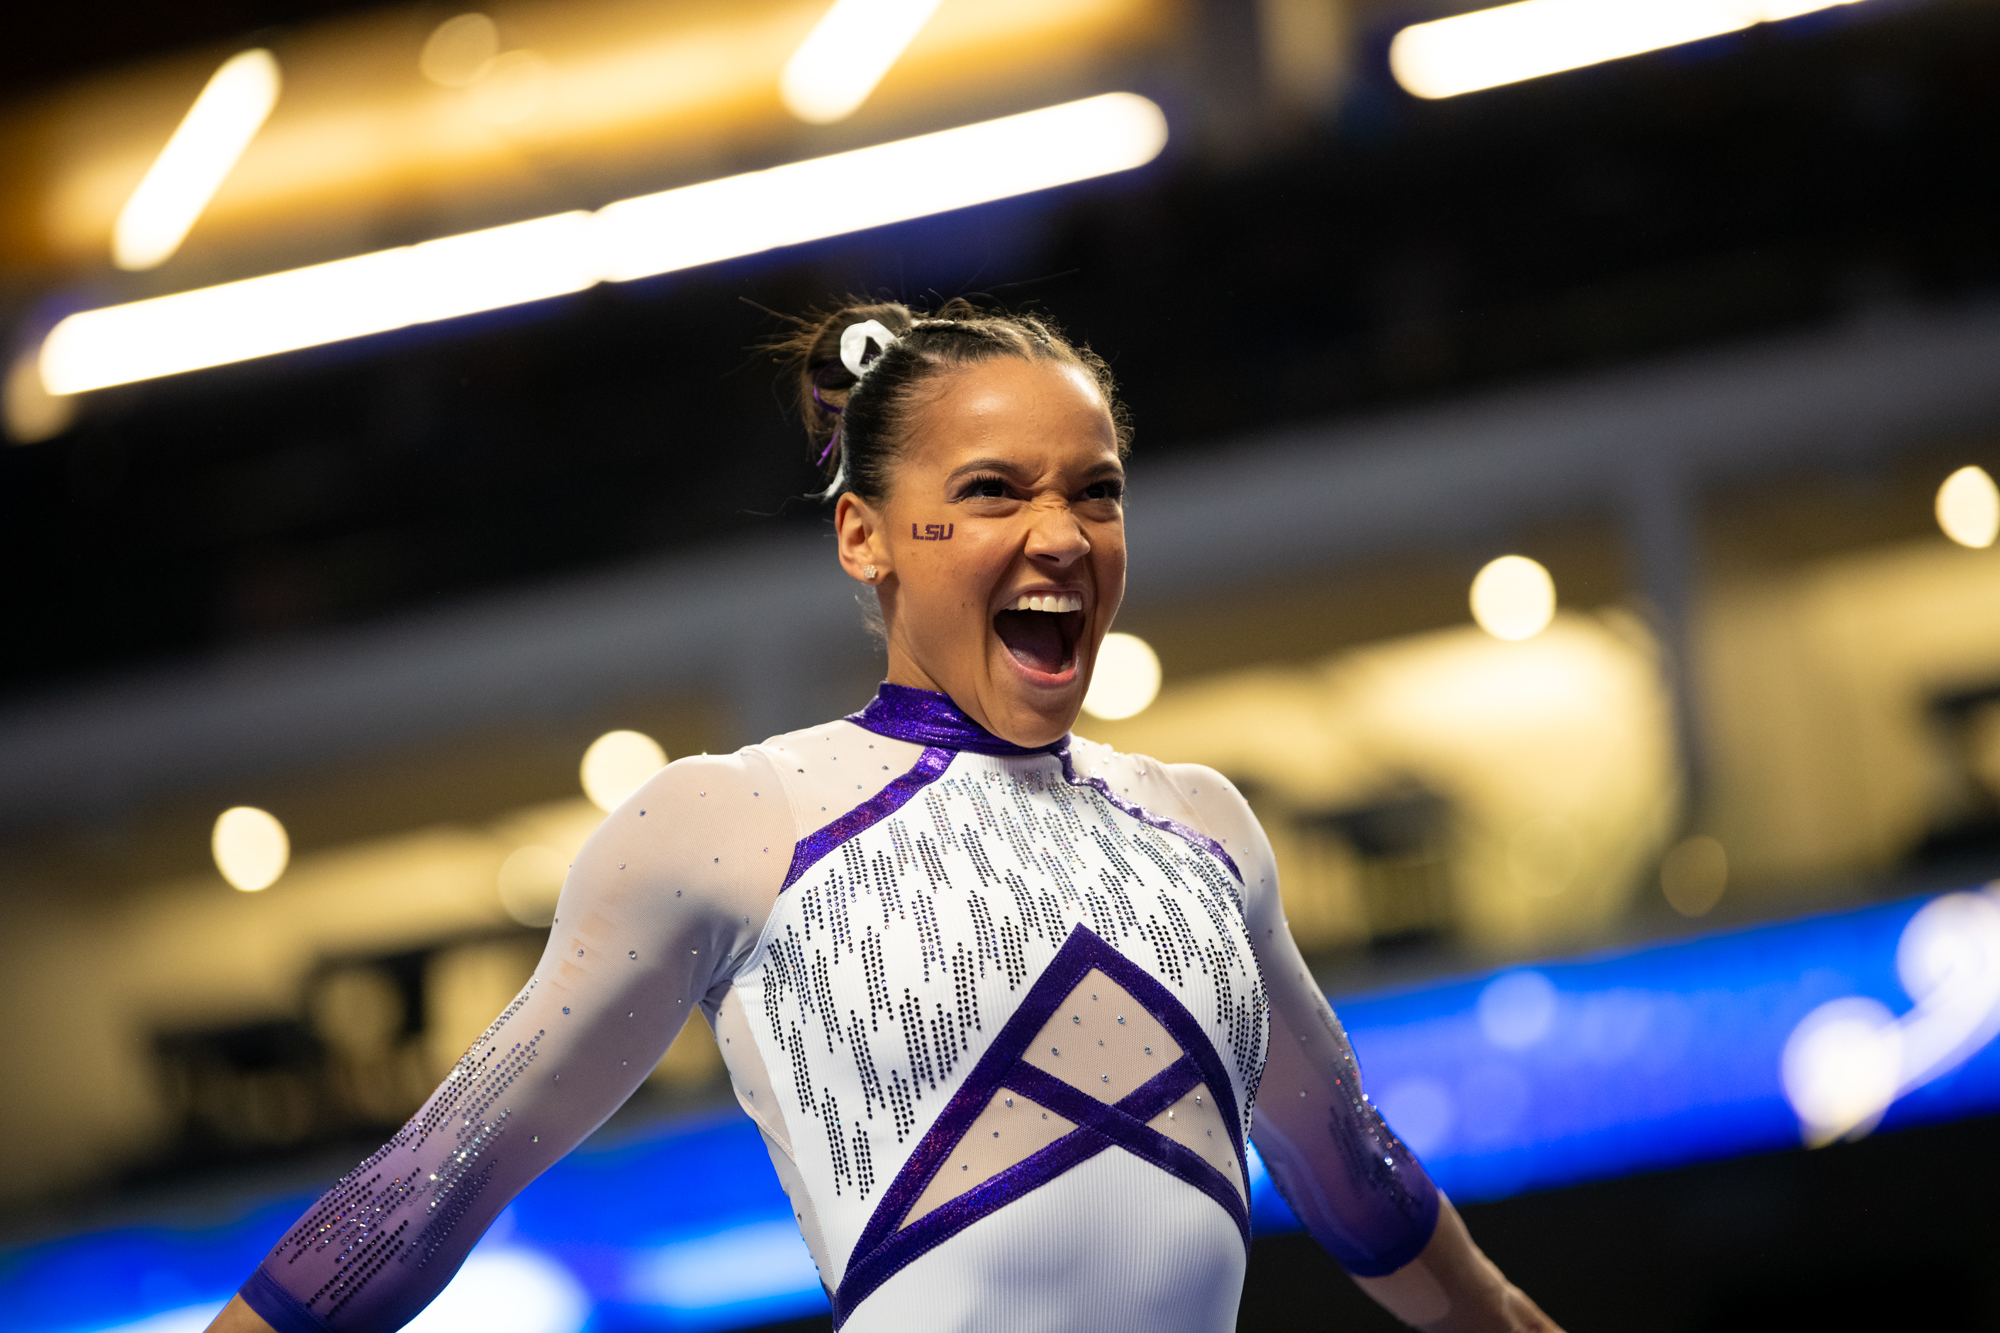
{"x":1521,"y":1079}
{"x":1635,"y":1061}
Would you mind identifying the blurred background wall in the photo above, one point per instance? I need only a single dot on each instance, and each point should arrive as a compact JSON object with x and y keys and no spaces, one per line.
{"x":1706,"y":338}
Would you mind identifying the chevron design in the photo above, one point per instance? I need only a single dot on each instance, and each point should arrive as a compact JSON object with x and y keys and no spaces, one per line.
{"x":906,"y":1224}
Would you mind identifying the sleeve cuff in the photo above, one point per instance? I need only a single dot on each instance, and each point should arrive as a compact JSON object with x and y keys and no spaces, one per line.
{"x":279,"y":1308}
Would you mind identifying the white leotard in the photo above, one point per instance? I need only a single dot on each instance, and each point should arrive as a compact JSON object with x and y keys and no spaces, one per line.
{"x":1001,"y":1016}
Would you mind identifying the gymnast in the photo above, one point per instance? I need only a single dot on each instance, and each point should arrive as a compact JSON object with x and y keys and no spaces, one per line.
{"x":1006,"y":1006}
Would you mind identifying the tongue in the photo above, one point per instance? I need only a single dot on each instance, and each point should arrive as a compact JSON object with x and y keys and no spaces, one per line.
{"x":1033,"y":638}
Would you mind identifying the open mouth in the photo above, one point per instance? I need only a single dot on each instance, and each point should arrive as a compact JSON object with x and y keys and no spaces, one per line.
{"x":1041,"y":632}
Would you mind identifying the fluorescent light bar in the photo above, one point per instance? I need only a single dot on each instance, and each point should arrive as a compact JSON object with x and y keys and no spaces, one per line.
{"x":636,"y":238}
{"x":197,"y":159}
{"x":1490,"y":47}
{"x":846,"y":55}
{"x":872,"y":187}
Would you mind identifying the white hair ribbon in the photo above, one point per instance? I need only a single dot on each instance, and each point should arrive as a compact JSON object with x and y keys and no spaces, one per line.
{"x":854,"y":345}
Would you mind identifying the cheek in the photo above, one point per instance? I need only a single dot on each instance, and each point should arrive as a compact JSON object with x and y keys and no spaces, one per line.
{"x":952,"y":578}
{"x":1108,"y":550}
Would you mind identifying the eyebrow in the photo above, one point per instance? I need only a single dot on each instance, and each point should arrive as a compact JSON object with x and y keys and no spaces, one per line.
{"x":983,"y":465}
{"x":1108,"y":468}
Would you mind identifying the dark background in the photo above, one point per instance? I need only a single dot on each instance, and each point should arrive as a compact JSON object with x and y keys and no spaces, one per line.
{"x":1832,"y":168}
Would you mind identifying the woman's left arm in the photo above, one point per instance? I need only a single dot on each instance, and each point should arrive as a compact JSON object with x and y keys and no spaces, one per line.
{"x":1357,"y":1188}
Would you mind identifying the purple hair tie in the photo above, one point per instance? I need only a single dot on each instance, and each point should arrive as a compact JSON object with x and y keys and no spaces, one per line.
{"x":834,"y":439}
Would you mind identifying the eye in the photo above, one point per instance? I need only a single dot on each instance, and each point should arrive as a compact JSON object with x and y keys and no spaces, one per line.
{"x":984,"y":486}
{"x":1111,"y":488}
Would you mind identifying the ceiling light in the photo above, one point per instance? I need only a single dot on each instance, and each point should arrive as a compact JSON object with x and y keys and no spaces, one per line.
{"x":1509,"y":43}
{"x":846,"y":55}
{"x":196,"y":160}
{"x":1513,"y":598}
{"x":460,"y":50}
{"x":618,"y":764}
{"x":636,"y":238}
{"x":1968,"y":507}
{"x":1124,"y":680}
{"x":250,"y":846}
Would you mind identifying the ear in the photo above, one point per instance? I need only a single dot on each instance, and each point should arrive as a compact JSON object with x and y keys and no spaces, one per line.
{"x":862,"y":539}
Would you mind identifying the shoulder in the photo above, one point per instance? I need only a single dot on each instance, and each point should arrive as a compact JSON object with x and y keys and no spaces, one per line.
{"x":704,"y":778}
{"x":1193,"y":794}
{"x":697,"y":819}
{"x":812,"y":741}
{"x":1196,"y":789}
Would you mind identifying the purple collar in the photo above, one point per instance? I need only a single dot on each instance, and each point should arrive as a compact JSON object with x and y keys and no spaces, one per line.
{"x":928,"y":718}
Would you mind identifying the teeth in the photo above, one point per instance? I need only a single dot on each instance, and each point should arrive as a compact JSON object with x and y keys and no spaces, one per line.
{"x":1060,"y":601}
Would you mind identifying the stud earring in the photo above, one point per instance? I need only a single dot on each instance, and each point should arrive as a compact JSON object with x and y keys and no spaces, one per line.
{"x":869,"y":573}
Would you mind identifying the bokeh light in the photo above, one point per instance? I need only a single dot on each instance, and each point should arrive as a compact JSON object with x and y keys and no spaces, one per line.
{"x":531,"y":879}
{"x":845,"y":56}
{"x":1841,"y":1067}
{"x":1513,"y":598}
{"x":1968,"y":507}
{"x":251,"y":848}
{"x":508,"y":1289}
{"x":1501,"y":44}
{"x":1125,"y":680}
{"x":197,"y":159}
{"x":617,"y":764}
{"x":460,"y":50}
{"x":31,"y":413}
{"x":1516,"y":1009}
{"x":1693,"y":874}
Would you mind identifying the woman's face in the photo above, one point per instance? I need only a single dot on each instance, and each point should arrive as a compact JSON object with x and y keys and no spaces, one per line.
{"x":1000,"y":548}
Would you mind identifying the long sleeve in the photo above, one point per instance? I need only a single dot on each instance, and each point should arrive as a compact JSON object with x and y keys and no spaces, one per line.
{"x":663,"y":902}
{"x":1359,"y":1190}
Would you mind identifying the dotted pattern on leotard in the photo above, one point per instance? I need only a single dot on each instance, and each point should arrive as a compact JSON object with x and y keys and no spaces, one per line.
{"x":358,"y":1213}
{"x":887,"y":966}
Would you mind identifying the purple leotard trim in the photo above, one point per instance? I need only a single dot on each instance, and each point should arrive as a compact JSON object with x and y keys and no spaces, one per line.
{"x":1145,"y":816}
{"x":278,"y":1307}
{"x":886,"y":1247}
{"x":930,"y":766}
{"x":928,"y":717}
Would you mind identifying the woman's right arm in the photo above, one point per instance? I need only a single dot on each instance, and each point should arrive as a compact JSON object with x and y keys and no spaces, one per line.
{"x":663,"y":901}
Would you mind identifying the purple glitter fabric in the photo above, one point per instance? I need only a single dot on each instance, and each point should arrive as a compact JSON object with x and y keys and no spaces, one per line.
{"x":930,"y":766}
{"x":928,"y":717}
{"x":886,"y":1248}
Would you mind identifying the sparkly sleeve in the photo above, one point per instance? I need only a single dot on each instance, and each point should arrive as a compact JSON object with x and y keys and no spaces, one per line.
{"x":664,"y":900}
{"x":1361,"y":1193}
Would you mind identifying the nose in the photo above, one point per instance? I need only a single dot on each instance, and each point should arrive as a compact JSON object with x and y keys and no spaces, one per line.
{"x":1055,"y":539}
